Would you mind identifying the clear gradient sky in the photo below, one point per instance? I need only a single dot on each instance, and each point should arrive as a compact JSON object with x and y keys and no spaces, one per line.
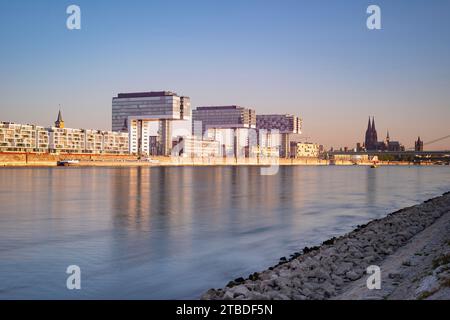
{"x":316,"y":59}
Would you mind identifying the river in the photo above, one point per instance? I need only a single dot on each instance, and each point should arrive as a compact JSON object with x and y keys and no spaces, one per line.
{"x":175,"y":232}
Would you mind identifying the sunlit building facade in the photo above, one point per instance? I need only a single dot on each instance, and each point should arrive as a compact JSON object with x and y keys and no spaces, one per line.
{"x":23,"y":137}
{"x":134,"y":113}
{"x":305,"y":150}
{"x":223,"y":117}
{"x":31,"y":138}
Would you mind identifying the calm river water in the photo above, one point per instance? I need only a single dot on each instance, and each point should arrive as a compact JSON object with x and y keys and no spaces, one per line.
{"x":173,"y":233}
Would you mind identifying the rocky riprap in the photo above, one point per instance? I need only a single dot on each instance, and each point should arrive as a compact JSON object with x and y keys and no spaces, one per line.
{"x":322,"y":272}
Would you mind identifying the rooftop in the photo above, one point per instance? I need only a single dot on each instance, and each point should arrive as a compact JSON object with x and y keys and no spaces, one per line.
{"x":219,"y":107}
{"x":146,"y":94}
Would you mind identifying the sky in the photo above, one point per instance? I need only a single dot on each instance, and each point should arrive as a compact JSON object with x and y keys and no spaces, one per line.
{"x":316,"y":59}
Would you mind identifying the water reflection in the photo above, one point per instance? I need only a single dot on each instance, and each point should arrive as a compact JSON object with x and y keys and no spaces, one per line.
{"x":175,"y":232}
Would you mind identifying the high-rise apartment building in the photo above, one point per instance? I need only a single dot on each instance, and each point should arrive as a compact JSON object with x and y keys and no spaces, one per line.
{"x":133,"y":113}
{"x":288,"y":126}
{"x":215,"y":117}
{"x":284,"y":123}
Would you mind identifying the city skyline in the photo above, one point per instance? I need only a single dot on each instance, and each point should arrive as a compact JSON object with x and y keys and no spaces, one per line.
{"x":182,"y":129}
{"x":322,"y":63}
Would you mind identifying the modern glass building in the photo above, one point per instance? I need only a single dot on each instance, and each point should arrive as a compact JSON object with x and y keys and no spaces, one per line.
{"x":133,"y":113}
{"x":214,"y":117}
{"x":284,"y":123}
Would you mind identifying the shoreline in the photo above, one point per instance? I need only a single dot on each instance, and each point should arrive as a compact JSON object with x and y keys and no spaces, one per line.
{"x":206,"y":163}
{"x":32,"y":160}
{"x":411,"y":246}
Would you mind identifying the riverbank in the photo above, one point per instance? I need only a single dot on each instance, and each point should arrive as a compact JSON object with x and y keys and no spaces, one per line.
{"x":137,"y":163}
{"x":411,"y":247}
{"x":87,"y":160}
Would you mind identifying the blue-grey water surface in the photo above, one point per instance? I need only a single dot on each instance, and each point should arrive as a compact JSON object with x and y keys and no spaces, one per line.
{"x":174,"y":232}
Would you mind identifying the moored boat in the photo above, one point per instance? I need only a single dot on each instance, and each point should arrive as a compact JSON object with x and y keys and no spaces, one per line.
{"x":66,"y":163}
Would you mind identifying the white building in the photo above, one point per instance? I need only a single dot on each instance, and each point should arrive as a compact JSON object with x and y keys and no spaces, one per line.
{"x":305,"y":150}
{"x":31,"y":138}
{"x":234,"y":142}
{"x":93,"y":141}
{"x":115,"y":142}
{"x":269,"y":144}
{"x":194,"y":147}
{"x":20,"y":137}
{"x":67,"y":140}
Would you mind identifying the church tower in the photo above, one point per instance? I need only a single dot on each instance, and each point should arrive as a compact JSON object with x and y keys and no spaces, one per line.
{"x":59,"y":123}
{"x":368,"y":140}
{"x":371,"y":141}
{"x":374,"y":134}
{"x":418,"y":145}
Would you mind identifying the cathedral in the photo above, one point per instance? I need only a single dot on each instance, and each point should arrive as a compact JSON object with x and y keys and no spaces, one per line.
{"x":371,"y":142}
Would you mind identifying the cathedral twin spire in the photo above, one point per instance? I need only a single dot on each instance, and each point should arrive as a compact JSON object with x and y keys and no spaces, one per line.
{"x":371,"y":140}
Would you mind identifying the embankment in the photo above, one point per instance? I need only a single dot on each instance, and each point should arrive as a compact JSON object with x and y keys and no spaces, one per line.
{"x":411,"y":247}
{"x":9,"y":159}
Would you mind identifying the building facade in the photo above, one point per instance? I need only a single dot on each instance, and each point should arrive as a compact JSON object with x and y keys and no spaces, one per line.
{"x":193,"y":147}
{"x":284,"y":123}
{"x":134,"y":112}
{"x":212,"y":117}
{"x":115,"y":142}
{"x":67,"y":140}
{"x":288,"y":126}
{"x":305,"y":150}
{"x":23,"y":137}
{"x":233,"y":142}
{"x":94,"y":141}
{"x":269,"y":144}
{"x":31,"y":138}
